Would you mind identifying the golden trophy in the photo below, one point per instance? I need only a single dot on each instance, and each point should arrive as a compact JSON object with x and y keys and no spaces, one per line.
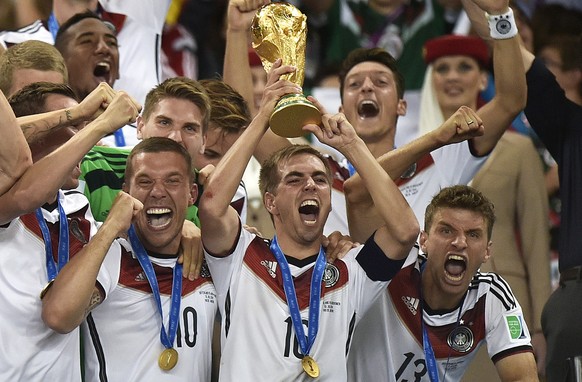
{"x":279,"y":30}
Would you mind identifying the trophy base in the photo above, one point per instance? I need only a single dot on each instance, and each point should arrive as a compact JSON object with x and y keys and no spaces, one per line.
{"x":292,"y":112}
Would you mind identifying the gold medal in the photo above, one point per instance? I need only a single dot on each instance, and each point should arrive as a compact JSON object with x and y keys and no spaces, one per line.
{"x":310,"y":366}
{"x":46,"y":288}
{"x":168,"y":359}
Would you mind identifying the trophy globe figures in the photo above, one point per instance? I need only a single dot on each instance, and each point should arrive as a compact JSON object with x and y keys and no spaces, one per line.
{"x":279,"y":30}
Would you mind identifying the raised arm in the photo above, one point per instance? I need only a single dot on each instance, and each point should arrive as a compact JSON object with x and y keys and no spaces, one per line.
{"x":237,"y":70}
{"x":480,"y":25}
{"x":15,"y":155}
{"x":74,"y":291}
{"x":363,"y":216}
{"x":510,"y":86}
{"x":42,"y":180}
{"x":400,"y":228}
{"x":36,"y":126}
{"x":219,"y":221}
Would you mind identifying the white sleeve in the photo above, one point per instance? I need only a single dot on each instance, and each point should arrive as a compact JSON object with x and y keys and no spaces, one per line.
{"x":504,"y":322}
{"x":108,"y":275}
{"x":456,"y":164}
{"x":150,"y":13}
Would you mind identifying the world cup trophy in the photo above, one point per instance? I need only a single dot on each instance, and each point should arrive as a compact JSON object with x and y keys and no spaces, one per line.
{"x":279,"y":30}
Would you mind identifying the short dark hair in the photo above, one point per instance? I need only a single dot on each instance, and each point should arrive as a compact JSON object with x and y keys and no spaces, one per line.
{"x":269,"y":175}
{"x":61,"y":38}
{"x":31,"y":98}
{"x":158,"y":145}
{"x":181,"y":88}
{"x":379,"y":55}
{"x":461,"y":197}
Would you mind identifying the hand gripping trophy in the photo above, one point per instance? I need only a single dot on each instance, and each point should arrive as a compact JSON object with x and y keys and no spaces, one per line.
{"x":279,"y":30}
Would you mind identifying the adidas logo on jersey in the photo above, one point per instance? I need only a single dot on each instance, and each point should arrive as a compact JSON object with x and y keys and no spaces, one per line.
{"x":271,"y":267}
{"x":140,"y":277}
{"x":411,"y":303}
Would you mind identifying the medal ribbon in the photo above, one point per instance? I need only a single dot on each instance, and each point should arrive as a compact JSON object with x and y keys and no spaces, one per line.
{"x":53,"y":25}
{"x":305,"y":343}
{"x":167,"y":339}
{"x":63,"y":252}
{"x":429,"y":356}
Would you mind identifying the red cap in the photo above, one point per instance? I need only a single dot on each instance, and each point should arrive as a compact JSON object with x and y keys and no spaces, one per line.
{"x":254,"y":59}
{"x":456,"y":45}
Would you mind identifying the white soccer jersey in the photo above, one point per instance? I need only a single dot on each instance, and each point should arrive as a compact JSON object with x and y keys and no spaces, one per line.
{"x":447,"y":166}
{"x":258,"y":338}
{"x":139,"y":44}
{"x":31,"y":351}
{"x":394,"y":351}
{"x":34,"y":31}
{"x":122,"y":335}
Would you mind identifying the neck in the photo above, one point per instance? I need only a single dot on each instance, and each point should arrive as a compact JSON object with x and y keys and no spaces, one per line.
{"x":297,"y":250}
{"x":381,"y":147}
{"x":64,"y":10}
{"x":436,"y":299}
{"x":385,"y":8}
{"x":574,"y":96}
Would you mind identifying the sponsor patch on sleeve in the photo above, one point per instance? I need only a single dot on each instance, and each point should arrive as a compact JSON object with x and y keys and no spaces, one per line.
{"x":515,"y":327}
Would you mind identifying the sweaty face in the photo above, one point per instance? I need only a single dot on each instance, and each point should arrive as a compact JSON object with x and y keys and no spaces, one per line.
{"x":23,"y":77}
{"x":162,"y":183}
{"x":91,"y":55}
{"x":456,"y":246}
{"x":370,"y":101}
{"x":303,"y":199}
{"x":56,"y":139}
{"x":457,"y":81}
{"x":217,"y":144}
{"x":177,"y":119}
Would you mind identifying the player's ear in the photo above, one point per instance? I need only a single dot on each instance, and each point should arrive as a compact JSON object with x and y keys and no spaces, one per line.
{"x":422,"y":240}
{"x":488,"y":252}
{"x":269,"y":202}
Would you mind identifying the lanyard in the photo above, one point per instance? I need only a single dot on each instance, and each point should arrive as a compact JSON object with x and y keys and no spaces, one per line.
{"x":305,"y":343}
{"x":429,"y":356}
{"x":53,"y":25}
{"x":167,"y":339}
{"x":63,"y":252}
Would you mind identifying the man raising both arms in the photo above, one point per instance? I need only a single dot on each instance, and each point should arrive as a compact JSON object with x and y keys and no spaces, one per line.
{"x":258,"y":278}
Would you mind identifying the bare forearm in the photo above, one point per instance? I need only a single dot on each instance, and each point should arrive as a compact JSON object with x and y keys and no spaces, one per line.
{"x":398,"y":218}
{"x":68,"y":300}
{"x":15,"y":156}
{"x":237,"y":70}
{"x":40,"y":183}
{"x":394,"y":163}
{"x":36,"y":126}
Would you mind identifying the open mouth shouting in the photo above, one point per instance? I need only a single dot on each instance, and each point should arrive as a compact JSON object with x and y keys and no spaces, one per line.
{"x":159,"y":218}
{"x":103,"y":72}
{"x":368,"y":109}
{"x":455,"y":267}
{"x":309,"y":211}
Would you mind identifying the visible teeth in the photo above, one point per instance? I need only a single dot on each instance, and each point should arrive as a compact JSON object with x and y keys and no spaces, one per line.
{"x":456,"y":257}
{"x":105,"y":65}
{"x":309,"y":203}
{"x":158,"y":211}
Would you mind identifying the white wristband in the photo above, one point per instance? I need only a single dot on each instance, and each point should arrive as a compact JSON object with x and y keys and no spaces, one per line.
{"x":502,"y":26}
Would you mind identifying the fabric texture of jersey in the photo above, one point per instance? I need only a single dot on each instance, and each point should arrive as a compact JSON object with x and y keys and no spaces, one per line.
{"x":249,"y":284}
{"x":490,"y":313}
{"x":30,"y":350}
{"x":122,"y":335}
